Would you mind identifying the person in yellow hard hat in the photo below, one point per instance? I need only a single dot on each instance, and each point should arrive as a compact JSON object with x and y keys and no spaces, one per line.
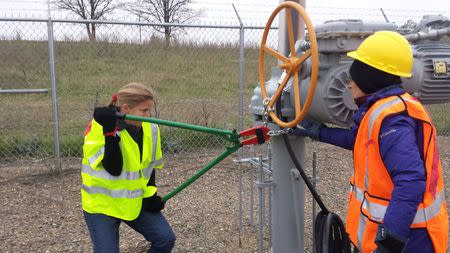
{"x":397,"y":201}
{"x":119,"y":158}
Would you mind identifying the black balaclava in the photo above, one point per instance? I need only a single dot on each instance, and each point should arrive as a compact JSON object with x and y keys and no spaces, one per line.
{"x":370,"y":79}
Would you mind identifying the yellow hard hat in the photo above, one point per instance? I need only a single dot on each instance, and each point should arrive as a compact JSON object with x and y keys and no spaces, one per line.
{"x":387,"y":51}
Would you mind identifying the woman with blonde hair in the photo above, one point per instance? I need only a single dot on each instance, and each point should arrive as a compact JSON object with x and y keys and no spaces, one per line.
{"x":119,"y":158}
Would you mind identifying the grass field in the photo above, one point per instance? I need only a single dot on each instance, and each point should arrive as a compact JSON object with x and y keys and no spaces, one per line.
{"x":194,"y":85}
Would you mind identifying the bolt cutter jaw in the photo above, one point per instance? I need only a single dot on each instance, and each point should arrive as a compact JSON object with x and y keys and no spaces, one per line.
{"x":257,"y":135}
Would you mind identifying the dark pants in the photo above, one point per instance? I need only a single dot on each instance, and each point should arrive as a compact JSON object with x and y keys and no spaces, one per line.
{"x":104,"y":231}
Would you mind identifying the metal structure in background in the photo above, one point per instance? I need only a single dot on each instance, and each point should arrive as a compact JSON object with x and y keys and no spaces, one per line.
{"x":332,"y":101}
{"x":51,"y":56}
{"x":240,"y":125}
{"x":23,"y":91}
{"x":288,"y":197}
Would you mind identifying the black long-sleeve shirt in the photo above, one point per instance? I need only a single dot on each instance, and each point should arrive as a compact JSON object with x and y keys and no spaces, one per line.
{"x":112,"y":158}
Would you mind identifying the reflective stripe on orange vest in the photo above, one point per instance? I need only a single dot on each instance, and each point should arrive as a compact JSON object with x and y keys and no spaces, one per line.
{"x":377,"y":211}
{"x":372,"y":186}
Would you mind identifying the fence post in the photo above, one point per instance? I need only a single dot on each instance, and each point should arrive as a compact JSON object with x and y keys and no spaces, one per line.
{"x":51,"y":56}
{"x":240,"y":112}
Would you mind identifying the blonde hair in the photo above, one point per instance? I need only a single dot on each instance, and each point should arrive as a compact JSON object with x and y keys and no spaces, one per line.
{"x":131,"y":94}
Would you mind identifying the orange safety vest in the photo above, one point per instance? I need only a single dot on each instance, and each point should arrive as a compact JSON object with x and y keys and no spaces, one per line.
{"x":371,"y":185}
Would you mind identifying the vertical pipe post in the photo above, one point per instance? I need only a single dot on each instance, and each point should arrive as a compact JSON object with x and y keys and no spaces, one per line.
{"x":252,"y":181}
{"x":314,"y":180}
{"x":241,"y":71}
{"x":284,"y":231}
{"x":240,"y":112}
{"x":269,"y":163}
{"x":261,"y":205}
{"x":298,"y":27}
{"x":51,"y":56}
{"x":299,"y":202}
{"x":140,"y":30}
{"x":284,"y":228}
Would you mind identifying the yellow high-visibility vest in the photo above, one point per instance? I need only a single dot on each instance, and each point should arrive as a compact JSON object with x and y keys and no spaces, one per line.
{"x":119,"y":196}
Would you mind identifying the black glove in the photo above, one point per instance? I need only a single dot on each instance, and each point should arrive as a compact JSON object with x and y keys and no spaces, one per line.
{"x":388,"y":242}
{"x":106,"y":116}
{"x":153,"y":204}
{"x":309,"y":129}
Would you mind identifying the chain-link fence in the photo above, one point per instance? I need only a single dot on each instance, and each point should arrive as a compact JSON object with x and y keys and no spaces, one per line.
{"x":26,"y":123}
{"x":195,"y":77}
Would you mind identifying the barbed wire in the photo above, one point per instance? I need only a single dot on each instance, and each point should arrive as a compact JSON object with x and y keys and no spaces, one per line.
{"x":221,"y":12}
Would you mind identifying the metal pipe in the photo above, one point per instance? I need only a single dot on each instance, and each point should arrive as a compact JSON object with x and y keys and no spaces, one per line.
{"x":239,"y":154}
{"x":51,"y":56}
{"x":252,"y":180}
{"x":384,"y":15}
{"x":433,"y":34}
{"x":299,"y":202}
{"x":106,"y":22}
{"x":255,"y":161}
{"x":23,"y":91}
{"x":284,"y":228}
{"x":286,"y":237}
{"x":298,"y":28}
{"x":269,"y":163}
{"x":261,"y":206}
{"x":314,"y":180}
{"x":240,"y":110}
{"x":85,"y":21}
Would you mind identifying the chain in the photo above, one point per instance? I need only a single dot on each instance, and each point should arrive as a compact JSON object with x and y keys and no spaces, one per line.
{"x":280,"y":132}
{"x":266,"y":111}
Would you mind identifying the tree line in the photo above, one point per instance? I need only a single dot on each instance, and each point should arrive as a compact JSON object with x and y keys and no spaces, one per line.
{"x":158,"y":11}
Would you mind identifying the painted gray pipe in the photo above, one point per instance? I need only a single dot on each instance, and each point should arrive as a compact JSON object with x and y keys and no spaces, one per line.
{"x":287,"y":234}
{"x":429,"y":35}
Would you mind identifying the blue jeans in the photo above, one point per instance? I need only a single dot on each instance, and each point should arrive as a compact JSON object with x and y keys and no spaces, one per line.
{"x":104,"y":231}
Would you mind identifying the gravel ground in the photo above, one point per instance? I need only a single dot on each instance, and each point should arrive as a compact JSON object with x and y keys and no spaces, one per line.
{"x":41,"y":212}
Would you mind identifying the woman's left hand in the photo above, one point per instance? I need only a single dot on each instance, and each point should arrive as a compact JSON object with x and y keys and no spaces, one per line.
{"x":153,"y":204}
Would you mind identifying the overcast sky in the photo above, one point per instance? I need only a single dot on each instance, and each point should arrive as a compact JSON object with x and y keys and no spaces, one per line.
{"x":257,"y":11}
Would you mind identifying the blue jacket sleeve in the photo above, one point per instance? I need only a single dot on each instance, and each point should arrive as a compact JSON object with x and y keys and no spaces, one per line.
{"x":399,"y":149}
{"x":340,"y":137}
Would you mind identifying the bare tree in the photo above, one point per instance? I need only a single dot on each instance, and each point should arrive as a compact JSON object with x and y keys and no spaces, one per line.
{"x":89,"y":9}
{"x":164,"y":11}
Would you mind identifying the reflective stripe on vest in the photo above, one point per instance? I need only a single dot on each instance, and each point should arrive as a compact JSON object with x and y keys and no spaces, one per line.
{"x":130,"y":194}
{"x":94,"y":158}
{"x":361,"y":228}
{"x":148,"y":171}
{"x":378,"y":211}
{"x":125,"y":175}
{"x":368,"y":202}
{"x":372,"y":119}
{"x":154,"y":138}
